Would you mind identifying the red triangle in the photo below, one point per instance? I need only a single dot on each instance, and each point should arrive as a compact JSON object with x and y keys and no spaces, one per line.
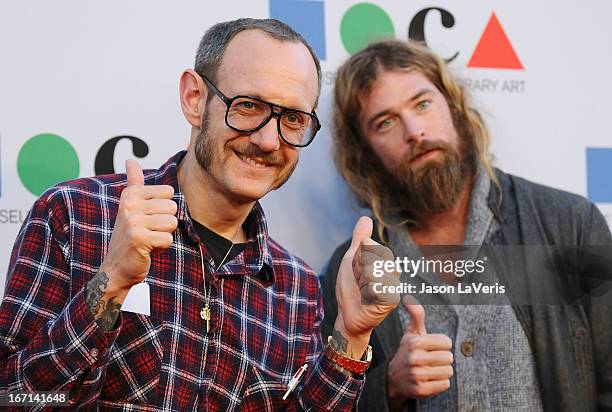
{"x":494,"y":50}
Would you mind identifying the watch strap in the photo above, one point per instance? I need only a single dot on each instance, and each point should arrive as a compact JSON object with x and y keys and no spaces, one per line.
{"x":358,"y":367}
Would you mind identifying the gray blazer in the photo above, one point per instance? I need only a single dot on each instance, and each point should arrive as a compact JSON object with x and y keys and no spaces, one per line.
{"x":572,"y":344}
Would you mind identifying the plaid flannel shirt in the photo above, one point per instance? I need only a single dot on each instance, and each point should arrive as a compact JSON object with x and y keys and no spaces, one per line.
{"x":265,"y":303}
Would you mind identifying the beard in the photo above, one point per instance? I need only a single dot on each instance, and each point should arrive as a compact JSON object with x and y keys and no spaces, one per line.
{"x":432,"y":187}
{"x":204,"y":144}
{"x":205,"y":153}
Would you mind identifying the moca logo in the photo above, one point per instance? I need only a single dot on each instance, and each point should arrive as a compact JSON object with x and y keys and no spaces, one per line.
{"x":47,"y":159}
{"x":364,"y":22}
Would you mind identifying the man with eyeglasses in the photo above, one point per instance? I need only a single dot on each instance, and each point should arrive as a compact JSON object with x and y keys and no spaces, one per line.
{"x":234,"y":319}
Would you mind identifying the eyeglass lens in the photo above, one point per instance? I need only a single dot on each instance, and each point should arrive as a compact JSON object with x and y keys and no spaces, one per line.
{"x":247,"y":114}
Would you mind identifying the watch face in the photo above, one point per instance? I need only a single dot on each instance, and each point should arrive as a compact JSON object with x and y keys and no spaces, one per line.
{"x":367,"y":356}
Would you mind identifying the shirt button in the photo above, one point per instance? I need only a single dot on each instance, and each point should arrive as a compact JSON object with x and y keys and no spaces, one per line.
{"x":467,"y":347}
{"x":94,"y":352}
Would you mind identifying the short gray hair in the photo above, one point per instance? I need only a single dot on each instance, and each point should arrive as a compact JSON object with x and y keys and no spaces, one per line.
{"x":215,"y":41}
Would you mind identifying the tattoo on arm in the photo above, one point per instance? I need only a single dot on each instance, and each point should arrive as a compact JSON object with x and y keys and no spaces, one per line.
{"x":104,"y":313}
{"x":340,"y":344}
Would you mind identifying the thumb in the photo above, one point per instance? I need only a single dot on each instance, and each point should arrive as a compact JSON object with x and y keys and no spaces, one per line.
{"x":361,"y":231}
{"x":134,"y":173}
{"x":417,"y":316}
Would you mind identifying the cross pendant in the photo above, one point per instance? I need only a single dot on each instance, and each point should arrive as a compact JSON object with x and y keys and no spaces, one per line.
{"x":205,"y":314}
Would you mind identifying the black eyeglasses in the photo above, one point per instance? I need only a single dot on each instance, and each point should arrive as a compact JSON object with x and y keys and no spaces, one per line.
{"x":249,"y":114}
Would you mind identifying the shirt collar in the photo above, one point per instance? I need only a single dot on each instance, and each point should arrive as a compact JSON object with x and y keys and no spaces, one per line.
{"x":480,"y":217}
{"x":255,"y":259}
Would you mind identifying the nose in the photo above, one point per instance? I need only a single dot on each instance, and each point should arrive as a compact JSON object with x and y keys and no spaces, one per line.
{"x":414,"y":130}
{"x":267,"y":138}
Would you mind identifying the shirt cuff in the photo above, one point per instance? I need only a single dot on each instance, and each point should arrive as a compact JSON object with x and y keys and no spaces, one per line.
{"x":329,"y":389}
{"x":84,"y":344}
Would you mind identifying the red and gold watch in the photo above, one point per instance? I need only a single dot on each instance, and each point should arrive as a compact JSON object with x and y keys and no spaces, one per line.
{"x":358,"y":367}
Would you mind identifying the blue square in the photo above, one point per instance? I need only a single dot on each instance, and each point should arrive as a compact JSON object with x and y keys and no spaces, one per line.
{"x":307,"y":17}
{"x":599,"y":174}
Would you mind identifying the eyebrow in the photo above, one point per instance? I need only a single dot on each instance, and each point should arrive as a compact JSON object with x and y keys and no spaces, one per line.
{"x":260,"y":97}
{"x":417,"y":96}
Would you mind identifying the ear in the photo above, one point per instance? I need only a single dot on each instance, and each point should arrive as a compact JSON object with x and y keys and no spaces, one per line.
{"x":193,"y":94}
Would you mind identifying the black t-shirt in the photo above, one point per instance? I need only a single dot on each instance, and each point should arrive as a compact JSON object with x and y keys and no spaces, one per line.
{"x":217,"y":245}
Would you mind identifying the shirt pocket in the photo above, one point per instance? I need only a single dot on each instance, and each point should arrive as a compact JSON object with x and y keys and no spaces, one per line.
{"x":132,"y":374}
{"x":264,"y":392}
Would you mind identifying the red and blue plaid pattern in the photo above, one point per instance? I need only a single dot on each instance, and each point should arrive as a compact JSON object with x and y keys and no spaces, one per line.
{"x":265,"y":304}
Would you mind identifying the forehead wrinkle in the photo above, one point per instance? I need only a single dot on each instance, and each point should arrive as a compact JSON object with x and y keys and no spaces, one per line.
{"x":281,"y":96}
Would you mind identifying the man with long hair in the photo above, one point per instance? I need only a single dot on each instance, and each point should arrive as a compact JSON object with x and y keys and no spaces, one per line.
{"x":416,"y":153}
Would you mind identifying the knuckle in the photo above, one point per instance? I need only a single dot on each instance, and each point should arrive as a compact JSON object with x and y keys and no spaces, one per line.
{"x":416,"y":359}
{"x":415,"y":374}
{"x":367,"y":273}
{"x":447,"y":341}
{"x":126,"y":193}
{"x":414,"y":343}
{"x":127,"y":203}
{"x":134,"y":237}
{"x":404,"y":345}
{"x":168,"y":191}
{"x":420,"y":391}
{"x":442,"y":340}
{"x":386,"y":253}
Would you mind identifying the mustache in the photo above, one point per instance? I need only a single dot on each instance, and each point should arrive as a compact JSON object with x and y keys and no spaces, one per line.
{"x":251,"y":150}
{"x":425,"y":146}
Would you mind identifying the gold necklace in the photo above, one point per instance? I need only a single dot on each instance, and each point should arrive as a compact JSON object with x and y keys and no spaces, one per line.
{"x":205,"y":312}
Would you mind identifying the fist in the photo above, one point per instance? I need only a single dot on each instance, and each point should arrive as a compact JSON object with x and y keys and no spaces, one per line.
{"x":422,"y":365}
{"x":145,"y":221}
{"x":360,"y":308}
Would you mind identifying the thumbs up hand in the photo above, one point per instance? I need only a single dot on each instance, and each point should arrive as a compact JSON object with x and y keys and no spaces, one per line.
{"x":422,"y":365}
{"x":360,"y":309}
{"x":145,"y":221}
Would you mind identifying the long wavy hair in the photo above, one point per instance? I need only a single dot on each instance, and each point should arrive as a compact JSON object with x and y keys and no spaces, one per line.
{"x":359,"y":166}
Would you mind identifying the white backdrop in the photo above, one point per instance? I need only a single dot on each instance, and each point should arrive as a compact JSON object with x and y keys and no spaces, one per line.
{"x":89,"y":71}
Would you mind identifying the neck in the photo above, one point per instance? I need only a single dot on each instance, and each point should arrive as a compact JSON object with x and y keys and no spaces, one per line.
{"x":447,"y":227}
{"x":208,"y":205}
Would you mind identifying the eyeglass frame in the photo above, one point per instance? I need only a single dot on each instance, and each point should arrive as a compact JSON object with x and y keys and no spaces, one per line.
{"x":229,"y":100}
